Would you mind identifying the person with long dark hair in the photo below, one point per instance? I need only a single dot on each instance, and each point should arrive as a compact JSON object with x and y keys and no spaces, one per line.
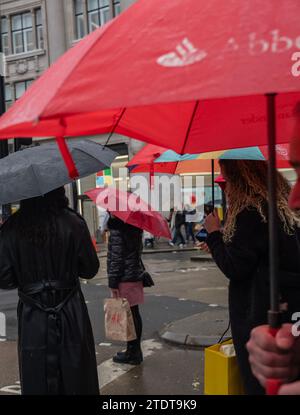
{"x":44,"y":248}
{"x":125,"y":279}
{"x":241,"y":251}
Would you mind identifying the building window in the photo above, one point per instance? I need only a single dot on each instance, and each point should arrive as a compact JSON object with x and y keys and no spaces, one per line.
{"x":79,"y":19}
{"x":22,"y":33}
{"x":4,"y":35}
{"x":116,"y":8}
{"x":26,"y":31}
{"x":20,"y":87}
{"x":92,"y":14}
{"x":98,"y":13}
{"x":39,"y":29}
{"x":8,"y":96}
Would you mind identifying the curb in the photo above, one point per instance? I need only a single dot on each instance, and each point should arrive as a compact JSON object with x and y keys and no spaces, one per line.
{"x":202,"y":258}
{"x":165,"y":250}
{"x":190,"y":341}
{"x":161,"y":251}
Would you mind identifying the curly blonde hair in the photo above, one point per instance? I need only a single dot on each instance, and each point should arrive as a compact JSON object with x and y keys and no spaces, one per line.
{"x":246,"y":187}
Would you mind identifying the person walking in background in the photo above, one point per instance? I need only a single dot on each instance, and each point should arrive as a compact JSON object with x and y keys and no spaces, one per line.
{"x":241,"y":252}
{"x":44,"y":248}
{"x":179,"y":222}
{"x":125,"y":279}
{"x":189,"y":215}
{"x":148,"y":240}
{"x":171,"y":222}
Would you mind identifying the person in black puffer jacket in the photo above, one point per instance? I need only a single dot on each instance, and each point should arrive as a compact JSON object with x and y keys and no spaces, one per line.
{"x":125,"y":279}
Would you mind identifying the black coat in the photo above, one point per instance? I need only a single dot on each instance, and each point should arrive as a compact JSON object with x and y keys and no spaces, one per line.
{"x":240,"y":261}
{"x":124,"y":253}
{"x":55,"y":341}
{"x":179,"y":219}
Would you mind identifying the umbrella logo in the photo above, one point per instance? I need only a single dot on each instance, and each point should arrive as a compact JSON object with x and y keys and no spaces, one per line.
{"x":186,"y":54}
{"x":282,"y":151}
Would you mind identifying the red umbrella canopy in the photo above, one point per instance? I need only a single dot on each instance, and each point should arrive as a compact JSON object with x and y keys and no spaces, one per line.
{"x":186,"y":74}
{"x":130,"y":208}
{"x":147,"y":155}
{"x":143,"y":161}
{"x":221,"y":182}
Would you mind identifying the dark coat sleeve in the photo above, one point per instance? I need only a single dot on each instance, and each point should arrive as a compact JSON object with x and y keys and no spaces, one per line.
{"x":88,"y":262}
{"x":8,"y":280}
{"x":239,"y":258}
{"x":115,"y":259}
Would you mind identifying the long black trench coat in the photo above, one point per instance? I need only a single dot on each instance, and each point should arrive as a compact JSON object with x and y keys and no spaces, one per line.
{"x":245,"y":262}
{"x":55,"y":339}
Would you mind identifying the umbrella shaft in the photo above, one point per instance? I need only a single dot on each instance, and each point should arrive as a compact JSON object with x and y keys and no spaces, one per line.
{"x":213,"y":183}
{"x":272,"y":205}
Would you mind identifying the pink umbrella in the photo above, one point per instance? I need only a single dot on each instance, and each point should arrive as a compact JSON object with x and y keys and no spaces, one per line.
{"x":130,"y":208}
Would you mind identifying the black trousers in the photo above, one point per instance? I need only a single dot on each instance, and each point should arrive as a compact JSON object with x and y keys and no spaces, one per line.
{"x":138,"y":324}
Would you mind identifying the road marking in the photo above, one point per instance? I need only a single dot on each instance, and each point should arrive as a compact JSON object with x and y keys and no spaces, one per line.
{"x":109,"y":371}
{"x":213,"y":305}
{"x":182,"y":299}
{"x":105,"y":344}
{"x":13,"y":389}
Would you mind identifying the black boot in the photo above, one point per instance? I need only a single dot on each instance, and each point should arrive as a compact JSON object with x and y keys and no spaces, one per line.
{"x":132,"y":356}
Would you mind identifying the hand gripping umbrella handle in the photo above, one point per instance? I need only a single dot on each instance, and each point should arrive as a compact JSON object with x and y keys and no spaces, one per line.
{"x":273,"y":385}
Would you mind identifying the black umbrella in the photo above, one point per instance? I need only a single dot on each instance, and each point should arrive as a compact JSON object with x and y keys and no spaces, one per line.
{"x":36,"y":171}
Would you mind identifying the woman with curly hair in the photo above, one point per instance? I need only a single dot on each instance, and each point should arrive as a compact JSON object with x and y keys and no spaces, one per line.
{"x":241,"y":249}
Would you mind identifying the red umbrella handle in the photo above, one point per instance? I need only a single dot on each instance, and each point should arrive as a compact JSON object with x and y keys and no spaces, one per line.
{"x":273,"y":385}
{"x":66,"y":155}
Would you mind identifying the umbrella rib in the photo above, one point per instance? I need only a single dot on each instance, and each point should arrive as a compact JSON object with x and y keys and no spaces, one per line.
{"x":190,"y":126}
{"x":114,"y":127}
{"x":37,"y":180}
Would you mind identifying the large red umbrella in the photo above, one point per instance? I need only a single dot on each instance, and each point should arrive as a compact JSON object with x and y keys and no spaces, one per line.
{"x":190,"y":75}
{"x":130,"y":208}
